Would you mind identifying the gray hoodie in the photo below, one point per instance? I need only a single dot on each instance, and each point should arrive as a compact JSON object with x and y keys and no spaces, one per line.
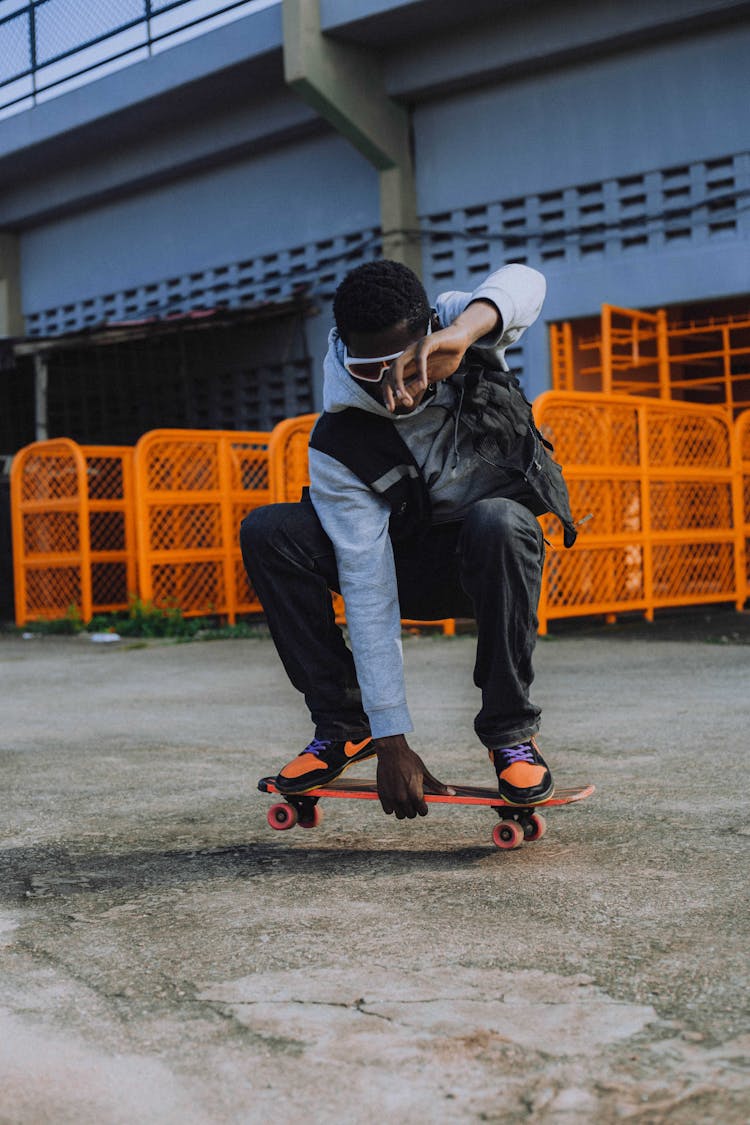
{"x":356,"y":519}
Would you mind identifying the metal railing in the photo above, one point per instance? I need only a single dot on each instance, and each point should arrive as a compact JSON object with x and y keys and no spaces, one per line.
{"x":50,"y":46}
{"x":643,"y":353}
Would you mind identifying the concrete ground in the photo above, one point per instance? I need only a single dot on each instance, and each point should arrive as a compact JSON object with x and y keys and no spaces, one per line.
{"x":166,"y":957}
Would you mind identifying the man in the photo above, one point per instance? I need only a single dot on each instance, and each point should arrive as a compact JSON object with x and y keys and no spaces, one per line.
{"x":426,"y":475}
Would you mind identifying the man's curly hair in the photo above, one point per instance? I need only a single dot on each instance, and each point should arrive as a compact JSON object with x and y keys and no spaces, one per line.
{"x":377,"y":295}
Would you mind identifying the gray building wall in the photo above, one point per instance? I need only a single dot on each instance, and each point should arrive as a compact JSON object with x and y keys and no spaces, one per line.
{"x":606,"y":144}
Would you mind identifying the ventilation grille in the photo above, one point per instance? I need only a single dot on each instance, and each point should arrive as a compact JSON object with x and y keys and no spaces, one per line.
{"x":268,"y":278}
{"x":689,"y":204}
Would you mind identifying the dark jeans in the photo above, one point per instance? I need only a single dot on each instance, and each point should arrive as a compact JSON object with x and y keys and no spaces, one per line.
{"x":489,"y":567}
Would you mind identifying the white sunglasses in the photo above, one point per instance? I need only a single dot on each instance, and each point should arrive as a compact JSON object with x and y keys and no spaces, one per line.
{"x":371,"y":369}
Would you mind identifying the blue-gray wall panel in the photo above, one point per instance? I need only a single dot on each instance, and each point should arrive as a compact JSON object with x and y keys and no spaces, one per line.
{"x":316,"y":189}
{"x":647,"y":108}
{"x":717,"y":271}
{"x":158,"y":153}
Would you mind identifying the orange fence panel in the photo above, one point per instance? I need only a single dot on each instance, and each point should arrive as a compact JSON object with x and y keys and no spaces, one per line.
{"x":193,"y":488}
{"x":73,"y":532}
{"x":659,"y":479}
{"x":742,"y":493}
{"x":561,"y":351}
{"x":109,"y":472}
{"x":287,"y":455}
{"x":51,"y":546}
{"x":668,"y":485}
{"x":644,"y":353}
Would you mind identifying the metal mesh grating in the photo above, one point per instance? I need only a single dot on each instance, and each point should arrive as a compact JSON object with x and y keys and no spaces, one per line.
{"x":686,"y":571}
{"x":589,"y":436}
{"x":185,"y":527}
{"x":50,"y":476}
{"x":681,"y":505}
{"x":669,"y":492}
{"x":109,"y":586}
{"x":590,"y":578}
{"x":196,"y":587}
{"x":181,"y":466}
{"x":108,"y":531}
{"x":52,"y":591}
{"x":51,"y":533}
{"x":683,"y":440}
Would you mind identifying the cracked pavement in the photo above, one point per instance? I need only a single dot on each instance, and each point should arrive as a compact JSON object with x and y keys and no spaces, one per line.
{"x":166,"y":957}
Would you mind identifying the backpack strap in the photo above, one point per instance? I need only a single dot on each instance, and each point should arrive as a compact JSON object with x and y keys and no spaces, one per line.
{"x":372,"y":448}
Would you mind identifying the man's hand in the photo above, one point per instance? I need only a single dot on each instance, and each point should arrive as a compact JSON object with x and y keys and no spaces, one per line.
{"x":403,"y":778}
{"x":408,"y":377}
{"x":436,"y":356}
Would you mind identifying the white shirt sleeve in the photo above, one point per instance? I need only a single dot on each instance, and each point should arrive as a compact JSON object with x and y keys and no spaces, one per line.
{"x":356,"y":521}
{"x":516,"y":291}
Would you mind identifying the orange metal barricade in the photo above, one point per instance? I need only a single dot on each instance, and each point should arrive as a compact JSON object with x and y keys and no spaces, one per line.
{"x":73,"y":533}
{"x":660,"y":481}
{"x":644,"y":353}
{"x":51,"y":546}
{"x":287,"y":456}
{"x":109,"y":472}
{"x":742,"y":493}
{"x":193,"y":488}
{"x":561,"y":351}
{"x":668,"y":485}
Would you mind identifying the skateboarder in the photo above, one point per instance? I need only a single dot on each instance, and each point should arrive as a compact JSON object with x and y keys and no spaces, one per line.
{"x":427,"y":474}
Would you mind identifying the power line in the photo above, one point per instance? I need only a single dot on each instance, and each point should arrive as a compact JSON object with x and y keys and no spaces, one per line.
{"x":307,"y":279}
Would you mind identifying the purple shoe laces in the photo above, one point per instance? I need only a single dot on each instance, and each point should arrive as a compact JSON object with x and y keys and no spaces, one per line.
{"x":522,"y":753}
{"x":317,"y":747}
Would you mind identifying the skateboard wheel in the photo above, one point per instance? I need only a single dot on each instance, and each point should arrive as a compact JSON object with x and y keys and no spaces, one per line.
{"x":310,"y":819}
{"x":535,"y":827}
{"x":508,"y":834}
{"x":281,"y":816}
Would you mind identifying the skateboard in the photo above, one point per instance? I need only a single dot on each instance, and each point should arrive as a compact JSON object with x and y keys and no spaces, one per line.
{"x":518,"y":824}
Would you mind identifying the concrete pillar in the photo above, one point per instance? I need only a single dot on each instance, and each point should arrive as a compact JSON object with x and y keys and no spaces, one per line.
{"x":11,"y":318}
{"x":398,"y":214}
{"x":344,"y":83}
{"x":41,"y":388}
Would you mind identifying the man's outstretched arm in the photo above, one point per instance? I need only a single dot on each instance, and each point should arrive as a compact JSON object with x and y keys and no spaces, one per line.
{"x":403,"y":778}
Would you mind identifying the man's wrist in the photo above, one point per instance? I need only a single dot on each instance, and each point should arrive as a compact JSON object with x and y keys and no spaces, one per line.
{"x":389,"y":743}
{"x":480,"y":318}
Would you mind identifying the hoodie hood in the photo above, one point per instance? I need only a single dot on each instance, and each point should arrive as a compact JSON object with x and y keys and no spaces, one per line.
{"x":341,"y":391}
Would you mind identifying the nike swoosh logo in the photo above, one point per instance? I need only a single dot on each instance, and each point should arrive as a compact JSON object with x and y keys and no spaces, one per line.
{"x":352,"y":748}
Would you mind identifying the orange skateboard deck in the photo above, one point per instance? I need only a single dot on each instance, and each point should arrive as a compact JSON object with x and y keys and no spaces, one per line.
{"x":518,"y":823}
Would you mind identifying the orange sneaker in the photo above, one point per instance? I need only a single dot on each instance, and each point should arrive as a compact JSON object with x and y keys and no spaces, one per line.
{"x":523,"y":777}
{"x":320,"y":762}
